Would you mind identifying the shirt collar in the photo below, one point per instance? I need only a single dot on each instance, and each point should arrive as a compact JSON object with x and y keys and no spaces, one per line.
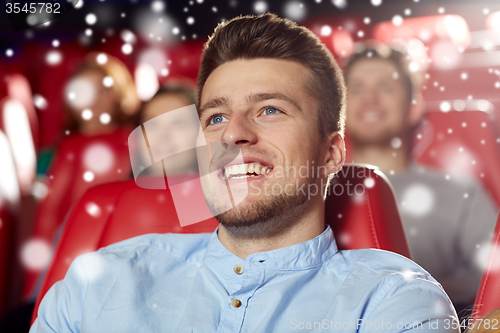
{"x":300,"y":256}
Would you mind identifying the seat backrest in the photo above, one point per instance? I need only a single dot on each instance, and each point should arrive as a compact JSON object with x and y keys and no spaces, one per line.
{"x":452,"y":28}
{"x":80,"y":163}
{"x":361,"y":209}
{"x":488,"y":295}
{"x":51,"y":119}
{"x":14,"y":121}
{"x":18,"y":120}
{"x":6,"y":252}
{"x":9,"y":203}
{"x":19,"y":88}
{"x":465,"y":142}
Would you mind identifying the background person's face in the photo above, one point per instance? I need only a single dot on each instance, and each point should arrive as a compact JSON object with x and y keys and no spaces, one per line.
{"x":92,"y":92}
{"x":172,"y":135}
{"x":262,"y":105}
{"x":377,"y":103}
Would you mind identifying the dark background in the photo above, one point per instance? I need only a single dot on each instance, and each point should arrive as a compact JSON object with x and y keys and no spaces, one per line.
{"x":108,"y":12}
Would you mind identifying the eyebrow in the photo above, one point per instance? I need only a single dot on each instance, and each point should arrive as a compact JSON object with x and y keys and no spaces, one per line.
{"x":215,"y":103}
{"x":253,"y":98}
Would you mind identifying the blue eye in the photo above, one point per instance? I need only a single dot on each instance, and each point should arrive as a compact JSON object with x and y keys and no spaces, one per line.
{"x":271,"y":110}
{"x":217,"y":119}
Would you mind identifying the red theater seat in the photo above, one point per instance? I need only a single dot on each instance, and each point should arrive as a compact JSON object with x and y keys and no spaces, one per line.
{"x":463,"y":142}
{"x":488,"y":296}
{"x":18,"y":120}
{"x":19,"y":88}
{"x":337,"y":32}
{"x":48,"y":81}
{"x":10,"y":204}
{"x":6,"y":250}
{"x":453,"y":28}
{"x":9,"y":201}
{"x":360,"y":208}
{"x":81,"y":162}
{"x":9,"y":212}
{"x":185,"y":60}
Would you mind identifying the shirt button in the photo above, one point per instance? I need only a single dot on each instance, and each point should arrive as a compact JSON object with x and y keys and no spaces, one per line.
{"x":236,"y":303}
{"x":238,"y":269}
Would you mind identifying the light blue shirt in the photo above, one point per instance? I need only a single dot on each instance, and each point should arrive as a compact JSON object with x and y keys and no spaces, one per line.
{"x":189,"y":283}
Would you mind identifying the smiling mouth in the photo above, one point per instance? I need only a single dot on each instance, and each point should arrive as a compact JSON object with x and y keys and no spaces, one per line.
{"x":371,"y":116}
{"x":246,"y":170}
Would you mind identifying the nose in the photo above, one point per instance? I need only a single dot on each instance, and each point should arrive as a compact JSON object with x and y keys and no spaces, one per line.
{"x":239,"y":130}
{"x":370,"y":96}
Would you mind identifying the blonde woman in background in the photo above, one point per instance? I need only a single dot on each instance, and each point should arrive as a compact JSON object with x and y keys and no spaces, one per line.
{"x":100,"y":102}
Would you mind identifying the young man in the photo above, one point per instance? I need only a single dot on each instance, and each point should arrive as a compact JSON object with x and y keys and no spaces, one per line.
{"x":449,"y":221}
{"x":270,"y":88}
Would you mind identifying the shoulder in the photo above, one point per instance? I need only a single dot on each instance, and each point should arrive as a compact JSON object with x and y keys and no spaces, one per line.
{"x":379,"y":262}
{"x":146,"y":250}
{"x":381,"y":272}
{"x":126,"y":261}
{"x":422,"y":179}
{"x":385,"y":281}
{"x":452,"y":179}
{"x":185,"y":247}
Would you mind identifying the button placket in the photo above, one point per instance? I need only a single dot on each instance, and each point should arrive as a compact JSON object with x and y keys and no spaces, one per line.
{"x":238,"y":269}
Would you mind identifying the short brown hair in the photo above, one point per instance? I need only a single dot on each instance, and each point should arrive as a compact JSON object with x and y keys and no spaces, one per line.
{"x":179,"y":89}
{"x":269,"y":36}
{"x":375,"y":50}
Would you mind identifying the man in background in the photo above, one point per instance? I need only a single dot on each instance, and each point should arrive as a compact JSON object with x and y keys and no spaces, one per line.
{"x":448,"y":221}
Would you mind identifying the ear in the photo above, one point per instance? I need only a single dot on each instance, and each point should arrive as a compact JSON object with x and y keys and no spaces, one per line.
{"x":335,"y":155}
{"x":417,"y":110}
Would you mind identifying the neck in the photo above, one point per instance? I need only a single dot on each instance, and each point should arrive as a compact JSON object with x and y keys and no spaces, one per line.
{"x":386,"y":158}
{"x":309,"y":225}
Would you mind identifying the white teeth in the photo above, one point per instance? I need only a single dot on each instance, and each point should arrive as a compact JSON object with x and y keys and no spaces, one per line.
{"x":257,"y":169}
{"x":371,"y":117}
{"x":238,"y":171}
{"x":265,"y":170}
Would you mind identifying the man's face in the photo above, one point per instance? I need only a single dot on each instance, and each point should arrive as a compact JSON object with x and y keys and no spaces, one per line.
{"x":172,"y":135}
{"x":92,"y":94}
{"x":263,"y":107}
{"x":377,"y":102}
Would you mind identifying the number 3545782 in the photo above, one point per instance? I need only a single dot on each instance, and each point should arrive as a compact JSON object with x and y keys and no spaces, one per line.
{"x":472,"y":323}
{"x":32,"y":8}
